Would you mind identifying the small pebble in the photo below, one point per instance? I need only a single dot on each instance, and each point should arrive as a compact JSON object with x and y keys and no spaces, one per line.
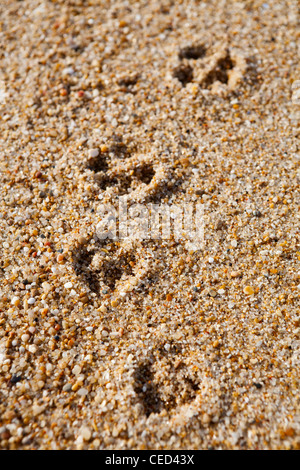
{"x":235,"y":274}
{"x":93,"y":153}
{"x":248,"y":290}
{"x":15,"y":301}
{"x":103,"y":308}
{"x":46,"y":286}
{"x":68,"y":285}
{"x":63,"y":92}
{"x":67,"y":387}
{"x":76,"y":370}
{"x":85,"y":433}
{"x":115,"y":302}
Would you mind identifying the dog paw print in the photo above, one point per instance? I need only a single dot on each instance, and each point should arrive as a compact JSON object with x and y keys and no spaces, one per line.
{"x":224,"y":71}
{"x":103,"y":262}
{"x":184,"y":72}
{"x":164,"y":381}
{"x":194,"y":51}
{"x":108,"y":266}
{"x":219,"y":69}
{"x":136,"y":176}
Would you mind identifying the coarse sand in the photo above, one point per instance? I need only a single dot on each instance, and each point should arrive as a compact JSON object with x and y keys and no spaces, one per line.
{"x":136,"y":343}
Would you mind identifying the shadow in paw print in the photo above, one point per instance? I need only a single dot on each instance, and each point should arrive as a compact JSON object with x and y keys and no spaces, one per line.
{"x":113,"y":270}
{"x":252,"y":76}
{"x":127,"y":83}
{"x":144,"y":173}
{"x":90,"y":265}
{"x":124,"y":181}
{"x":183,"y":73}
{"x":118,"y":148}
{"x":105,"y":181}
{"x":130,"y":80}
{"x":170,"y":187}
{"x":193,"y":52}
{"x":163,"y":382}
{"x":147,"y":390}
{"x":220,"y":72}
{"x":81,"y":263}
{"x":97,"y":164}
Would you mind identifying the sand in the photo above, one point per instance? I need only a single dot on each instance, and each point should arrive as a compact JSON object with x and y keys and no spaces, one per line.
{"x":149,"y":343}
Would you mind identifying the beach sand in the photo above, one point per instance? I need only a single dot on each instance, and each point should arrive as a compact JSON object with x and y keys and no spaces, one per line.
{"x":149,"y":343}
